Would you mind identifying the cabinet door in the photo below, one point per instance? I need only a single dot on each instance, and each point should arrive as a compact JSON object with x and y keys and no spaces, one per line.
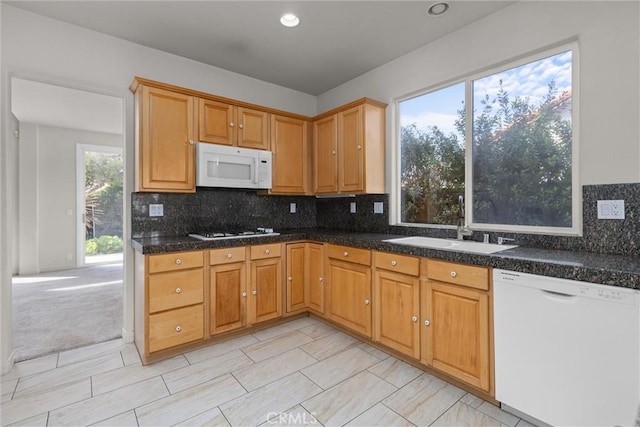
{"x":266,"y":289}
{"x":396,"y":311}
{"x":166,"y":152}
{"x":350,"y":296}
{"x":290,"y":162}
{"x":228,"y":297}
{"x":297,"y":294}
{"x":316,"y":277}
{"x":325,"y":158}
{"x":253,"y":129}
{"x":351,"y":150}
{"x":216,"y":122}
{"x":456,"y":339}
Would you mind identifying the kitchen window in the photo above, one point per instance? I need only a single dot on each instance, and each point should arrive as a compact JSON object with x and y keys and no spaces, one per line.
{"x":514,"y":160}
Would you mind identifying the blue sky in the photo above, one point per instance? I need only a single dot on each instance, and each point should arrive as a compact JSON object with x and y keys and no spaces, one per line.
{"x":439,"y":108}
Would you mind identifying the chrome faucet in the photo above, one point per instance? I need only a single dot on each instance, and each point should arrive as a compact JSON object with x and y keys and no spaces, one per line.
{"x":462,"y":230}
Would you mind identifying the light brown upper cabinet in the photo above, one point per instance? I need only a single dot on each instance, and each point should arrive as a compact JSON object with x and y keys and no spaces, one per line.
{"x":349,"y":148}
{"x":226,"y":124}
{"x":289,"y":145}
{"x":165,"y":149}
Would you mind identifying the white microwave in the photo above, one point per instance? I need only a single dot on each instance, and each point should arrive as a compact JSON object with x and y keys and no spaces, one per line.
{"x":232,"y":167}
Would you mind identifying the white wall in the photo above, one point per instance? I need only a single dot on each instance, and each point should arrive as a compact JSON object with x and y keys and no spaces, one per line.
{"x":47,"y":194}
{"x":49,"y":51}
{"x":609,"y":42}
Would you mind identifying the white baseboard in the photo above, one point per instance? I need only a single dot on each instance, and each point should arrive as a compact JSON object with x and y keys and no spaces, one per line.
{"x":7,"y":364}
{"x":127,"y":336}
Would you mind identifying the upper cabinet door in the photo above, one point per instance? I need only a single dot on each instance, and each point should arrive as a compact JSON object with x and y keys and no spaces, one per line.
{"x":217,"y":122}
{"x":166,"y":135}
{"x":253,"y":129}
{"x":352,"y":149}
{"x":290,"y":155}
{"x":325,"y":147}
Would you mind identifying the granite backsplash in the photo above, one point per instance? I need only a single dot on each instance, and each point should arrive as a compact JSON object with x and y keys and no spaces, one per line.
{"x":217,"y":208}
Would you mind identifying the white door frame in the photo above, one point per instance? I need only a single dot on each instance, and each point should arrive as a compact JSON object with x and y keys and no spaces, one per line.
{"x":81,"y":149}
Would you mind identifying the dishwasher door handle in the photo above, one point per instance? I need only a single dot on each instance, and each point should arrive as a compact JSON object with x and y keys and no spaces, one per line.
{"x":558,"y":295}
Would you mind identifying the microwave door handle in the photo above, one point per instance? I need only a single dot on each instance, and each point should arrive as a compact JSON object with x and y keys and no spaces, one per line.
{"x":256,"y":172}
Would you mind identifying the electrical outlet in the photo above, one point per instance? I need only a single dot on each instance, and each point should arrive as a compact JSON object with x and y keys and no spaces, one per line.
{"x":352,"y":207}
{"x":610,"y":209}
{"x":156,"y":209}
{"x":292,"y":208}
{"x":378,"y":207}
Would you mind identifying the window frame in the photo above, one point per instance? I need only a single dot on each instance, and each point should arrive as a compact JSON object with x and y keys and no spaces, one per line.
{"x":576,"y":194}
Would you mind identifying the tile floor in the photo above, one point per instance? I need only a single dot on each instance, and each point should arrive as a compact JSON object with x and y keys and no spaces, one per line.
{"x":303,"y":372}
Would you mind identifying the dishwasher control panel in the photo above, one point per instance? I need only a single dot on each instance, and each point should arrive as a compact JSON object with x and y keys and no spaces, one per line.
{"x":613,"y":294}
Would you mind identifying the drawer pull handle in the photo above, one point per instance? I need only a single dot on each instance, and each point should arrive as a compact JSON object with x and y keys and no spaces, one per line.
{"x":427,"y":323}
{"x":229,"y":255}
{"x":178,"y":261}
{"x":267,"y":251}
{"x":345,"y":253}
{"x":178,"y":290}
{"x":178,"y":328}
{"x":453,"y":274}
{"x":321,"y":279}
{"x":255,"y":292}
{"x":414,"y":318}
{"x":244,"y":294}
{"x":366,"y":302}
{"x":394,"y":263}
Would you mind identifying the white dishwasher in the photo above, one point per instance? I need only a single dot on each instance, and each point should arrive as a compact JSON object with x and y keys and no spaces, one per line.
{"x":566,"y":353}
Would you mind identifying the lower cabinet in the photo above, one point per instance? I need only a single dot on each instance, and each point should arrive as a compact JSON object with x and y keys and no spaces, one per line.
{"x":227,"y":290}
{"x":297,"y":292}
{"x":266,"y":283}
{"x":349,"y":290}
{"x":396,"y":302}
{"x":456,"y":322}
{"x":316,"y":278}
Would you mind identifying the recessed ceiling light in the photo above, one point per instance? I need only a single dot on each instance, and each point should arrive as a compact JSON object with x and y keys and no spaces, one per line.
{"x":289,"y":20}
{"x":438,"y":9}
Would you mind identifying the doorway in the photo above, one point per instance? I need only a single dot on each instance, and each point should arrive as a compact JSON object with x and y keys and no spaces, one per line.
{"x":99,"y":180}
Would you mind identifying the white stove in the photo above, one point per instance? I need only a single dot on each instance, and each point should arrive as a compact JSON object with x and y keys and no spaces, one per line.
{"x":232,"y":234}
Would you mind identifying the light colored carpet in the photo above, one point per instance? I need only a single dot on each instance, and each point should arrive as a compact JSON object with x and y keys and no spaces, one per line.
{"x":66,"y":309}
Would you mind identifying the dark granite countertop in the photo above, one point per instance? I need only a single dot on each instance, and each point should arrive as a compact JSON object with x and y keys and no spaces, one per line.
{"x":605,"y":269}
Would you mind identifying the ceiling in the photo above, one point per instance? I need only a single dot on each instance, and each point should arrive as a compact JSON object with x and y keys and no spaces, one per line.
{"x":335,"y":42}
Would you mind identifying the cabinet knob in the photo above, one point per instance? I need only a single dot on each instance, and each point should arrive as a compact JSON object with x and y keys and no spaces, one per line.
{"x":178,"y":328}
{"x":229,"y":255}
{"x":321,"y":279}
{"x":241,"y":126}
{"x":427,"y":323}
{"x":333,"y":152}
{"x":289,"y":278}
{"x":394,"y":262}
{"x":345,"y":253}
{"x":267,"y":251}
{"x":178,"y":290}
{"x":191,"y":142}
{"x":231,"y":124}
{"x":366,"y":302}
{"x":453,"y":274}
{"x":255,"y":292}
{"x":244,"y":294}
{"x":178,"y":261}
{"x":359,"y":147}
{"x":414,"y":318}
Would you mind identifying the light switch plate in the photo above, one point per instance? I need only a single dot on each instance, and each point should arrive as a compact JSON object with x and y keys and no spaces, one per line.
{"x":156,"y":209}
{"x":292,"y":208}
{"x":610,"y":209}
{"x":352,"y":207}
{"x":378,"y":207}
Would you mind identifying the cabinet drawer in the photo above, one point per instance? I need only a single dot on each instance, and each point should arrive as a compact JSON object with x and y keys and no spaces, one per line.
{"x":175,"y":327}
{"x":394,"y":262}
{"x":266,"y":251}
{"x":355,"y":255}
{"x":175,"y":261}
{"x":227,"y":255}
{"x":175,"y":289}
{"x":458,"y":274}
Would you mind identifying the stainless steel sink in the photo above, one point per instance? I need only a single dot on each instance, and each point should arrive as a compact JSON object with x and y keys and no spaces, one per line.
{"x":451,"y":245}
